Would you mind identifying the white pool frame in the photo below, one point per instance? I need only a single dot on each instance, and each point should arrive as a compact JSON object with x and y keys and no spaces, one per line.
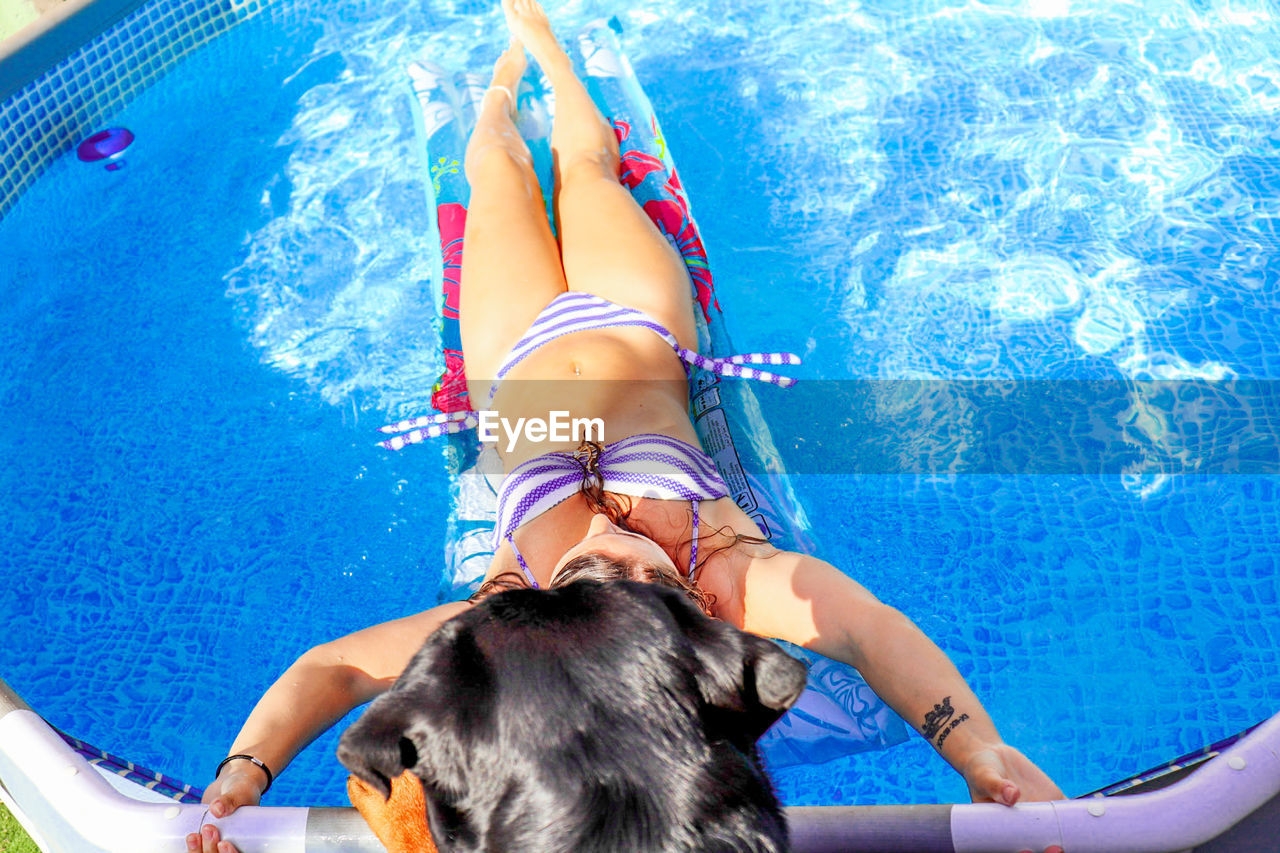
{"x":1231,"y":803}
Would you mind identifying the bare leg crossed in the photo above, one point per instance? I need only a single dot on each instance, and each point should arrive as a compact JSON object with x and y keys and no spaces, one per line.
{"x":608,"y":245}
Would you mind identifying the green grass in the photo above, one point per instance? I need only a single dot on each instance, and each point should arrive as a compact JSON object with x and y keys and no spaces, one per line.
{"x":13,"y":839}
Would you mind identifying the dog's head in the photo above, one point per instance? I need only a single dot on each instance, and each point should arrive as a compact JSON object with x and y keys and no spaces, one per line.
{"x":598,"y":716}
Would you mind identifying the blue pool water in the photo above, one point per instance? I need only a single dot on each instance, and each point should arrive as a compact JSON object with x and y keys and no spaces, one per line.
{"x":196,"y":350}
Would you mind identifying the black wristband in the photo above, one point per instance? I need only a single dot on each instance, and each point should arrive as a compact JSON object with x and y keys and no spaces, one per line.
{"x":271,"y":777}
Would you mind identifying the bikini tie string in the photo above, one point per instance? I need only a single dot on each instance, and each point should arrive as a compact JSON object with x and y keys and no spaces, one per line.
{"x":588,"y":456}
{"x":428,"y":426}
{"x":417,"y":430}
{"x":733,"y":365}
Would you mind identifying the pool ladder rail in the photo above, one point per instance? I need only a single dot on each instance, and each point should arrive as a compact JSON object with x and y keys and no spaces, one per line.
{"x":1226,"y":803}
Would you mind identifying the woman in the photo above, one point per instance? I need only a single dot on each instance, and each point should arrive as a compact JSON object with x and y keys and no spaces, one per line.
{"x":533,"y":309}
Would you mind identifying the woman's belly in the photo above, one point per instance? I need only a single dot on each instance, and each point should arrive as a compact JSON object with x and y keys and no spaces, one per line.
{"x":597,"y":385}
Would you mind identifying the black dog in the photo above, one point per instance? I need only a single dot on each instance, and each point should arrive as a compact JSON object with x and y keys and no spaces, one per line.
{"x":610,"y":717}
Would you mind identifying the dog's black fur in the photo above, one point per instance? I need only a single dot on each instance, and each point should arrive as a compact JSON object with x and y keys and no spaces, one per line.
{"x":611,"y":717}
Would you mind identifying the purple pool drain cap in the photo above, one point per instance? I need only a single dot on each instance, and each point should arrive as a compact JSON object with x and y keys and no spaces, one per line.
{"x":105,"y":145}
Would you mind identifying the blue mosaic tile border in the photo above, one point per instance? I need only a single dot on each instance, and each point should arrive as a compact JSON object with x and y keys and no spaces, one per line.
{"x":54,"y":112}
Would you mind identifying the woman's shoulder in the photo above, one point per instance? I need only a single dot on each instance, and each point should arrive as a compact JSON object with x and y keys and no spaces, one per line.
{"x":725,"y":513}
{"x":731,"y":543}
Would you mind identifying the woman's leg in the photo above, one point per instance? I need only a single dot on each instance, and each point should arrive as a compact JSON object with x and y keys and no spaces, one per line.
{"x":510,"y":262}
{"x":608,"y":245}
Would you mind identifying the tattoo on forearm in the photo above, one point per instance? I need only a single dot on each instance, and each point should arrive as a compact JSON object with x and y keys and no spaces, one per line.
{"x":941,"y":722}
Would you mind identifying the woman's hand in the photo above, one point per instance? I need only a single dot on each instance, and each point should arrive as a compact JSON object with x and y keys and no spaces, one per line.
{"x":1002,"y":774}
{"x":209,"y":840}
{"x":239,"y":784}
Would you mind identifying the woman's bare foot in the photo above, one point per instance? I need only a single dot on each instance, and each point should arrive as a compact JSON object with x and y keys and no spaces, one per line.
{"x":507,"y":72}
{"x":528,"y":24}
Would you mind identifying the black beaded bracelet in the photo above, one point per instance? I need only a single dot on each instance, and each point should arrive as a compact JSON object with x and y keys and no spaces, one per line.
{"x":271,"y":777}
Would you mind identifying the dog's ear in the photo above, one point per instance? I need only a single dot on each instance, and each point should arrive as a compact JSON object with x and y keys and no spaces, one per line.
{"x":747,"y":681}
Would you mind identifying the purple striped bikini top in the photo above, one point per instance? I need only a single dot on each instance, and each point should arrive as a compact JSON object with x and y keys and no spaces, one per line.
{"x":645,"y":466}
{"x":576,"y":311}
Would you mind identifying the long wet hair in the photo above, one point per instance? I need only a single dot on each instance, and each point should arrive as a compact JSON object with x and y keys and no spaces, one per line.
{"x":591,"y":566}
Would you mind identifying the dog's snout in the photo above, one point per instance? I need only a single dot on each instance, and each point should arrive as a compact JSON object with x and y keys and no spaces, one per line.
{"x":408,"y":753}
{"x":357,"y":760}
{"x":376,"y":749}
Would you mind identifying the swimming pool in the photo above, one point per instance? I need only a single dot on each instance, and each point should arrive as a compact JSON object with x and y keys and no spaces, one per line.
{"x":198,"y":347}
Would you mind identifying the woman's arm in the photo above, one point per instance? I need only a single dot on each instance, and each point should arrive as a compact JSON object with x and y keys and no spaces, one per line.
{"x":806,"y":601}
{"x":314,"y":693}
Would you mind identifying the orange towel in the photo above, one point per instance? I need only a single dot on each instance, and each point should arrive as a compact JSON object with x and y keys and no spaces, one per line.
{"x":400,"y":822}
